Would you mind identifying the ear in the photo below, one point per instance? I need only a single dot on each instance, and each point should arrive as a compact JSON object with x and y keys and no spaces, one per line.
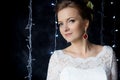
{"x":86,"y":24}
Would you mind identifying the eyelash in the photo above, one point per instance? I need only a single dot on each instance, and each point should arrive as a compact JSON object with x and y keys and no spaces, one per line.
{"x":71,"y":21}
{"x":59,"y":24}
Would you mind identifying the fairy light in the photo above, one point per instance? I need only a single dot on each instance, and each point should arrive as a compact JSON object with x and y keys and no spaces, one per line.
{"x":56,"y":33}
{"x":114,"y":25}
{"x":113,"y":45}
{"x":53,"y":4}
{"x":113,"y":17}
{"x":111,"y":2}
{"x":116,"y":30}
{"x":29,"y":39}
{"x":51,"y":52}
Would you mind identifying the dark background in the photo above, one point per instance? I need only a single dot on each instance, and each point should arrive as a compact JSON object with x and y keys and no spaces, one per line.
{"x":14,"y":52}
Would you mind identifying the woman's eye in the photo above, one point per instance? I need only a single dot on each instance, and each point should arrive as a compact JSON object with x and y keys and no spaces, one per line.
{"x":60,"y":24}
{"x":72,"y":21}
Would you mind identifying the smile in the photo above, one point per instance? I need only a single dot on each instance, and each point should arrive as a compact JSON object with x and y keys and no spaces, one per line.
{"x":68,"y":34}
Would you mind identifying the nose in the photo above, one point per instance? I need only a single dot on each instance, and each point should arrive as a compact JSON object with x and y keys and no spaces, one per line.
{"x":66,"y":28}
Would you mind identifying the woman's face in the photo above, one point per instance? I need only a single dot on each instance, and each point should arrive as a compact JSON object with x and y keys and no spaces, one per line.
{"x":71,"y":24}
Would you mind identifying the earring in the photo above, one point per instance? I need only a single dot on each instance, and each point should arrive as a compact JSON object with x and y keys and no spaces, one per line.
{"x":85,"y":36}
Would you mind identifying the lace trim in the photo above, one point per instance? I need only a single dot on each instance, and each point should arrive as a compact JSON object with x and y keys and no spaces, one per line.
{"x":103,"y":58}
{"x":84,"y":59}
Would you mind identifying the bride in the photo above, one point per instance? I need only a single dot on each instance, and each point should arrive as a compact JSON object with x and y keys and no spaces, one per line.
{"x":82,"y":60}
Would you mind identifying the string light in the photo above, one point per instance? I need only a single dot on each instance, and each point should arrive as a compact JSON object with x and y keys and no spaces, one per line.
{"x":52,"y":4}
{"x":113,"y":45}
{"x":29,"y":39}
{"x":114,"y":25}
{"x":116,"y":30}
{"x":56,"y":35}
{"x":117,"y":59}
{"x":113,"y":17}
{"x":51,"y":52}
{"x":56,"y":27}
{"x":55,"y":31}
{"x":111,"y":2}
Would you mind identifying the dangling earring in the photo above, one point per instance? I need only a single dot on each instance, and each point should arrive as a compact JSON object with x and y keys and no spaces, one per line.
{"x":85,"y":36}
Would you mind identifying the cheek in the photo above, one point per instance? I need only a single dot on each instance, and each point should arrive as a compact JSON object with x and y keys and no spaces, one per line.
{"x":61,"y":31}
{"x":78,"y":28}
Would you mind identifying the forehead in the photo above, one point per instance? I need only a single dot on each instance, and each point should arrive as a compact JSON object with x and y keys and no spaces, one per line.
{"x":67,"y":13}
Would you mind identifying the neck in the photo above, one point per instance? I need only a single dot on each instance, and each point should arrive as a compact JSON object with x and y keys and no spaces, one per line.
{"x":81,"y":47}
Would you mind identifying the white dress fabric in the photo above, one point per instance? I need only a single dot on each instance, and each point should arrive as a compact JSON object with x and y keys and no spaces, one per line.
{"x":65,"y":67}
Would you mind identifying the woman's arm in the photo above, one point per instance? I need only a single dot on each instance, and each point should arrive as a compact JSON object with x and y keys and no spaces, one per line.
{"x":53,"y":68}
{"x":114,"y":68}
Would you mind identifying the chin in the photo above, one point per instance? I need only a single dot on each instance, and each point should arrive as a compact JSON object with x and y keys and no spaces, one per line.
{"x":72,"y":40}
{"x":69,"y":40}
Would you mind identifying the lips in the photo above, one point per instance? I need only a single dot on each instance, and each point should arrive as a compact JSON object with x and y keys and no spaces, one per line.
{"x":68,"y":34}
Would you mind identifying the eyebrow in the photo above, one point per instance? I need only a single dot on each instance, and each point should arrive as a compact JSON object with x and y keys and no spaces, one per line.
{"x":67,"y":19}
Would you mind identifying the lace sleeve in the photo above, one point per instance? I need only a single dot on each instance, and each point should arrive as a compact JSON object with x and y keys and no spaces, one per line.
{"x":114,"y":68}
{"x":52,"y":73}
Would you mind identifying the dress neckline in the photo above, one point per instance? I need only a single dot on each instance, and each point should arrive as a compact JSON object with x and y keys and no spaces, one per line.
{"x":92,"y":57}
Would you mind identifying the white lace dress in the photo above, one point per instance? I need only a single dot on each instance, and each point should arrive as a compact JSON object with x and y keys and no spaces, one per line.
{"x":65,"y":67}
